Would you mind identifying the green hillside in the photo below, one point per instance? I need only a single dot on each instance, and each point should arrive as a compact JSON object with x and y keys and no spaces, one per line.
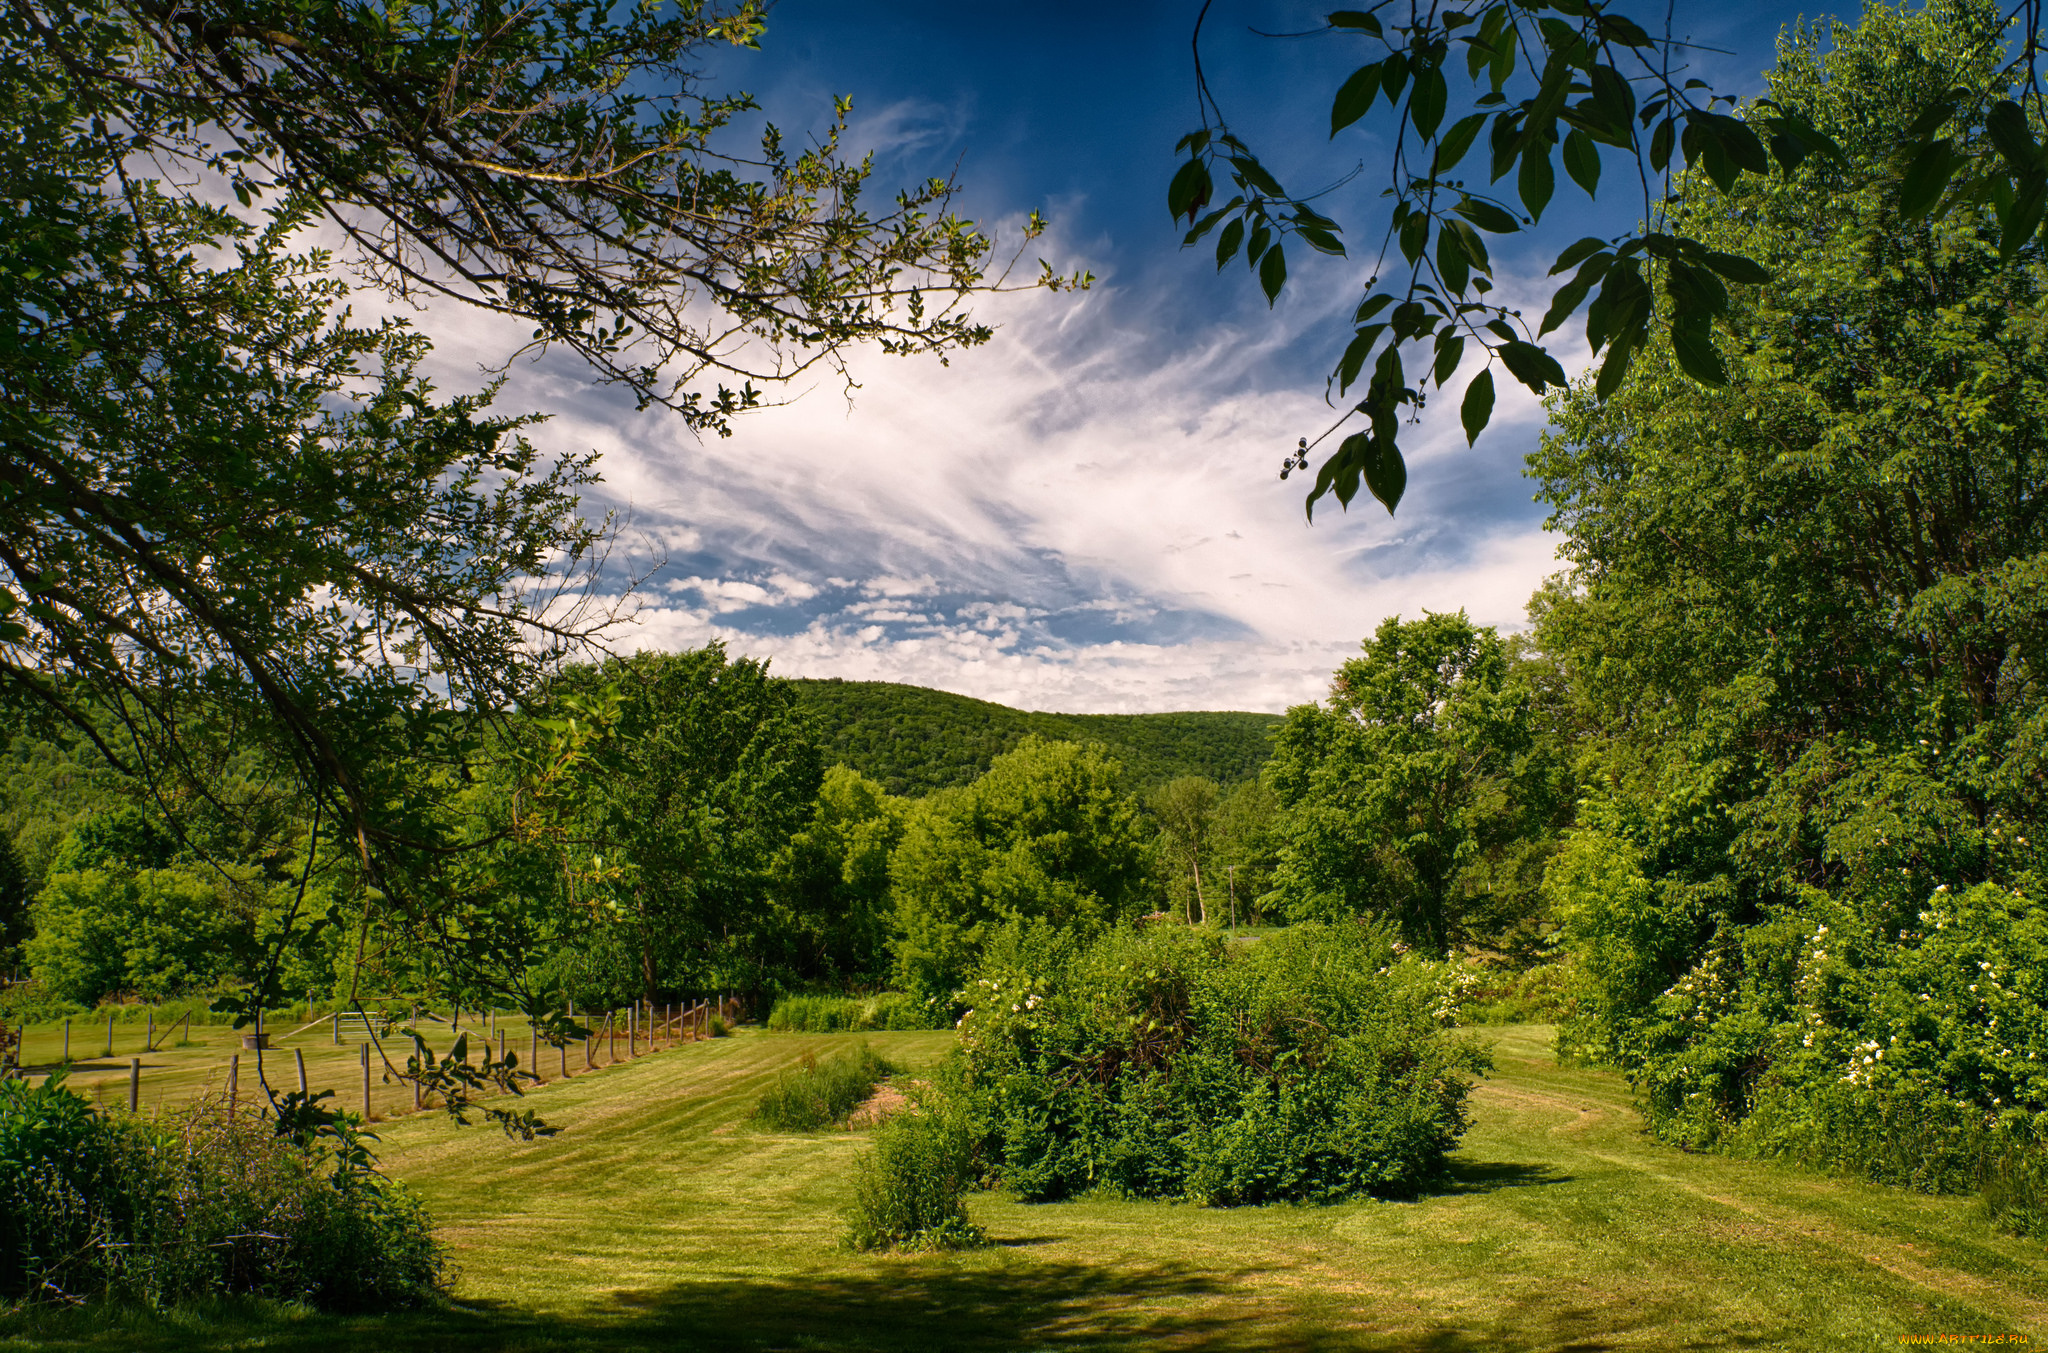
{"x":913,"y":739}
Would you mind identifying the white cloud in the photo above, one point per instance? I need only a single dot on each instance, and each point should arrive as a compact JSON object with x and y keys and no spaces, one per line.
{"x":1081,"y":515}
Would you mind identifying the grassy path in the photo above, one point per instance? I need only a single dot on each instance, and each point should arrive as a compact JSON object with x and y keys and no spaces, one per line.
{"x":657,"y":1220}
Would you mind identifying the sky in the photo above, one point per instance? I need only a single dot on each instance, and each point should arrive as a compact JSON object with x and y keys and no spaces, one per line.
{"x":1084,"y":515}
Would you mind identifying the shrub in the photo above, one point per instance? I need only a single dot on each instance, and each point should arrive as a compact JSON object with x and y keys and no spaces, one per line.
{"x":199,"y":1204}
{"x":851,"y":1014}
{"x":907,"y":1193}
{"x":819,"y":1094}
{"x":1166,"y":1064}
{"x":1541,"y":994}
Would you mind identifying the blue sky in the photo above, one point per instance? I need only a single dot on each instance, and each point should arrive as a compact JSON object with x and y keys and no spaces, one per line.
{"x":1083,"y":515}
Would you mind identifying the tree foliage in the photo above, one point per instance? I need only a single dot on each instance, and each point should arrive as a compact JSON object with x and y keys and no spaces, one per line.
{"x":1047,"y":835}
{"x":1802,"y":625}
{"x":912,"y":739}
{"x":1414,"y":772}
{"x":705,"y":769}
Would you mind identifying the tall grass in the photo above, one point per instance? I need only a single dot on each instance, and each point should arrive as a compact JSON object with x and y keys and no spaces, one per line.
{"x":819,"y":1094}
{"x":888,"y":1010}
{"x":907,"y":1193}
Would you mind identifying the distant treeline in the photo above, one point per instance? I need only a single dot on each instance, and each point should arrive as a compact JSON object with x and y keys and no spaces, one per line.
{"x":912,"y":740}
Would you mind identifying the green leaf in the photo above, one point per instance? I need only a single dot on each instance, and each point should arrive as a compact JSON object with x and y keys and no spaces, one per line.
{"x":1696,"y":293}
{"x":1693,"y":345}
{"x":1262,"y":236}
{"x":1255,"y":174}
{"x":1582,"y":162}
{"x":1354,"y":97}
{"x":1536,"y":182}
{"x":1931,"y":118}
{"x":1273,"y":273}
{"x":1617,"y":100}
{"x":1738,"y":269}
{"x":1487,"y":216}
{"x":1355,"y":354}
{"x":1394,"y":78}
{"x":1356,"y":19}
{"x":1474,"y":244}
{"x":1414,"y":235}
{"x":2007,"y":127}
{"x":1190,"y":188}
{"x":1477,"y":409}
{"x":1386,"y":474}
{"x":1451,"y":263}
{"x":1531,"y":365}
{"x":1426,"y":104}
{"x":1228,"y":242}
{"x":1577,"y":254}
{"x":1320,"y":239}
{"x":1456,"y":142}
{"x":1660,"y":144}
{"x":1450,"y":350}
{"x":1619,"y":354}
{"x":1371,"y":306}
{"x":2018,"y":223}
{"x":1567,"y":297}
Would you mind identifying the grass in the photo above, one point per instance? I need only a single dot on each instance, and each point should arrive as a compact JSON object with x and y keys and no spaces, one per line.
{"x":817,"y":1094}
{"x":659,"y":1220}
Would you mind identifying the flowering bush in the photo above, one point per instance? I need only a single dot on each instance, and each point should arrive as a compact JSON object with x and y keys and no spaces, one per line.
{"x":1313,"y":1064}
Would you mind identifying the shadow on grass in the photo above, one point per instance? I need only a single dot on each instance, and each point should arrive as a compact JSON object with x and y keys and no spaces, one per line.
{"x":1478,"y":1176}
{"x":924,"y":1305}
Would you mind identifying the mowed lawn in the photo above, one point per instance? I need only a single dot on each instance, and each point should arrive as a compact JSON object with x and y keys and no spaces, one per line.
{"x":658,"y":1220}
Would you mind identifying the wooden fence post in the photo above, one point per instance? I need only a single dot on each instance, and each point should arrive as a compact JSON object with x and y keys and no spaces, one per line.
{"x":533,"y":1057}
{"x":149,"y":1034}
{"x":134,"y":1083}
{"x":299,"y":1055}
{"x":366,"y":1082}
{"x":501,"y":1045}
{"x":588,"y":1065}
{"x":563,"y":1046}
{"x":334,"y":1020}
{"x":611,"y":1031}
{"x":234,"y":1079}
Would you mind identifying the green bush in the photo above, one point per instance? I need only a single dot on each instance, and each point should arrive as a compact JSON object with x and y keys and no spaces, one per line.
{"x":907,"y":1193}
{"x":1541,"y":994}
{"x":1166,"y":1064}
{"x":819,"y":1094}
{"x":851,"y":1014}
{"x":200,"y":1204}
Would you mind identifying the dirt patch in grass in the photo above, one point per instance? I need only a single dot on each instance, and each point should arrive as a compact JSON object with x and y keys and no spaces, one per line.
{"x":885,"y":1103}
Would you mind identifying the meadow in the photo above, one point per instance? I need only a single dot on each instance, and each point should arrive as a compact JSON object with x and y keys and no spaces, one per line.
{"x":658,"y":1219}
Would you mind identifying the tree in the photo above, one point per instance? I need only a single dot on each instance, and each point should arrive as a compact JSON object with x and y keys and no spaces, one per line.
{"x":831,"y":889}
{"x":1247,"y":846}
{"x":560,"y":164}
{"x":1804,"y":621}
{"x":706,"y":769}
{"x":1046,"y":835}
{"x":1186,"y":809}
{"x":1594,"y":86}
{"x":1404,"y":780}
{"x":14,"y":898}
{"x":229,"y":514}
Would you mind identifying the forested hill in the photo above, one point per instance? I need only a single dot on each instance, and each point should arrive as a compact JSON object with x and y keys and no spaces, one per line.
{"x":913,"y":739}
